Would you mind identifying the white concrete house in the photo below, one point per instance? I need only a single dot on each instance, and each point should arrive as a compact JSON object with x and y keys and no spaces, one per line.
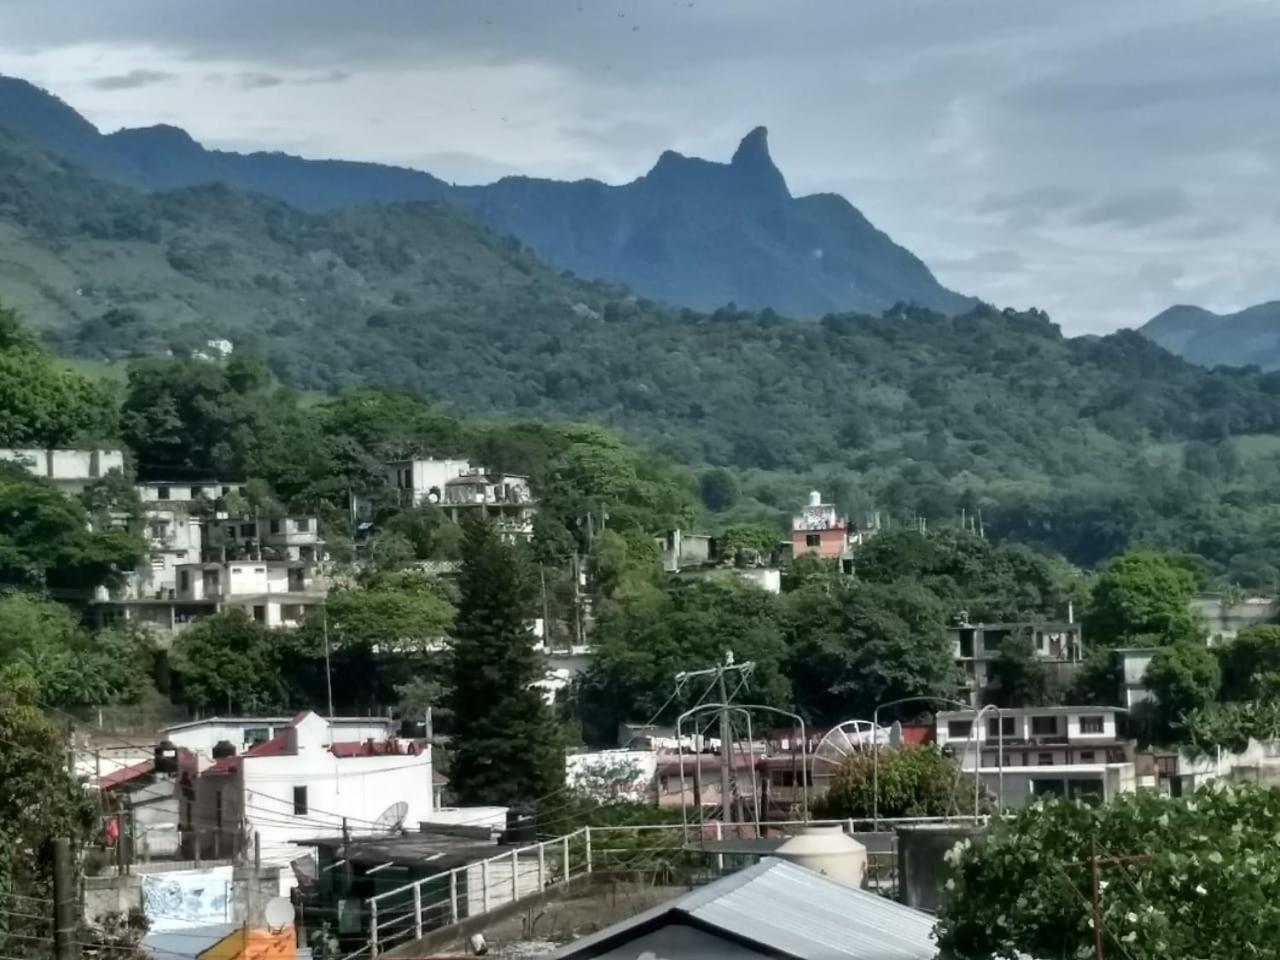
{"x":183,"y":493}
{"x":302,"y":783}
{"x":1075,"y":751}
{"x":504,"y":498}
{"x":70,"y":470}
{"x":276,"y":593}
{"x":201,"y":736}
{"x":280,"y":538}
{"x":422,"y":481}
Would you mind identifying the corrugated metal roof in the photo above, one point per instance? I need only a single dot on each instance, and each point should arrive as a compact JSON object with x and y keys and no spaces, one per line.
{"x":787,"y":909}
{"x":802,"y":913}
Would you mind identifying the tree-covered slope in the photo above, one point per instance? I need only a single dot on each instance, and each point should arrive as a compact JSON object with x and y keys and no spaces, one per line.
{"x":689,"y":232}
{"x":1249,"y":336}
{"x":1088,"y":445}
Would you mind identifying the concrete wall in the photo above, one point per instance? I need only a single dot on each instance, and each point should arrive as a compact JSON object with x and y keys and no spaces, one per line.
{"x":201,"y":737}
{"x":922,"y":866}
{"x":71,"y":470}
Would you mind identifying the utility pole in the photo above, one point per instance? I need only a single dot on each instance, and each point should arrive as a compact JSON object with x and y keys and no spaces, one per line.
{"x":546,"y":615}
{"x":64,"y":901}
{"x":1097,"y":912}
{"x":328,"y":673}
{"x":726,"y":727}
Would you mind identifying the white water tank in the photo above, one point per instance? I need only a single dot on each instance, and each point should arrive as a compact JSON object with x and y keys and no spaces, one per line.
{"x":815,"y":498}
{"x":828,"y":851}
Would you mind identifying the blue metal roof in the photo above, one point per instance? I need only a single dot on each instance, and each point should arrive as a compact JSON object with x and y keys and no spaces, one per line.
{"x":788,"y":909}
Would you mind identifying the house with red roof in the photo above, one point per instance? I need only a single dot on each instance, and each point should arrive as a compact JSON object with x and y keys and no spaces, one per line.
{"x":307,"y":779}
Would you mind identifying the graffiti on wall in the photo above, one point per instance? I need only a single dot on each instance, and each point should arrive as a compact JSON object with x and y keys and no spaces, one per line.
{"x":187,"y":898}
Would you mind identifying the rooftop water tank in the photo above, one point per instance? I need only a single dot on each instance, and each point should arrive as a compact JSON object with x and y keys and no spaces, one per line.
{"x":828,"y":851}
{"x":815,"y":498}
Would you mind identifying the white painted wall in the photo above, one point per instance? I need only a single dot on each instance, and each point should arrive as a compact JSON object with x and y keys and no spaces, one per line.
{"x":360,"y":788}
{"x":71,"y":470}
{"x":178,"y":492}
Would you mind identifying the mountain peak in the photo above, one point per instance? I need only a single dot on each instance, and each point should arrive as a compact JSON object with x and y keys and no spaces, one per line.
{"x":753,"y":149}
{"x":752,"y":160}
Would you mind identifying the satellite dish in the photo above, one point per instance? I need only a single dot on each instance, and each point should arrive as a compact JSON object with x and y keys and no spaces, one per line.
{"x":392,"y":818}
{"x":277,"y":914}
{"x":842,"y":742}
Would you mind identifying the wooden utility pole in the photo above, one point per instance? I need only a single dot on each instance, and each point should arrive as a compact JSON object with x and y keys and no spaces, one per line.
{"x":64,"y":902}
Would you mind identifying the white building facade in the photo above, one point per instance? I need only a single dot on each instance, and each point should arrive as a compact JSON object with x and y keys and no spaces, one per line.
{"x":976,"y":645}
{"x":307,"y":780}
{"x":1019,"y":753}
{"x":71,"y":470}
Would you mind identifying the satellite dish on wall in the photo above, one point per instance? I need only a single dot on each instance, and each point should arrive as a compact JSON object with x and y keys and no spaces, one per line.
{"x":842,"y":742}
{"x":277,"y":914}
{"x":392,"y":818}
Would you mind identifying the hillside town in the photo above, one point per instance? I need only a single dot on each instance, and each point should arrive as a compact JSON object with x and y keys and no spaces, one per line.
{"x":648,"y":481}
{"x":214,"y":815}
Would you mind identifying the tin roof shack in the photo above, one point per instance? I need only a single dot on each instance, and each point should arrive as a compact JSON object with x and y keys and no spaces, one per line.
{"x":772,"y":909}
{"x":347,"y":872}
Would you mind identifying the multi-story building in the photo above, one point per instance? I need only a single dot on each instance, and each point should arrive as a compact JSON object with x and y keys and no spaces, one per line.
{"x":420,"y":481}
{"x":185,"y":494}
{"x":821,"y":530}
{"x":275,"y":538}
{"x":504,"y":498}
{"x":312,"y":777}
{"x":69,"y":470}
{"x":1072,"y":751}
{"x":275,"y":593}
{"x":975,"y":645}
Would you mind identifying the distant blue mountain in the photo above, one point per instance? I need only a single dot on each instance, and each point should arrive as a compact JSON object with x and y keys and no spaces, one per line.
{"x":689,"y":232}
{"x":1249,"y":337}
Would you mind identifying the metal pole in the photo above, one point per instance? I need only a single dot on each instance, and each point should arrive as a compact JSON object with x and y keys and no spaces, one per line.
{"x":417,"y":911}
{"x":726,"y":750}
{"x":328,"y":672}
{"x":453,"y":896}
{"x":684,"y":815}
{"x":875,"y":769}
{"x":1097,"y":910}
{"x":64,"y":901}
{"x":1000,"y":774}
{"x":515,"y":875}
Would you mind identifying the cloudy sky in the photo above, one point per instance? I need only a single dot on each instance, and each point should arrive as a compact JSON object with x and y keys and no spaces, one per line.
{"x":1100,"y":160}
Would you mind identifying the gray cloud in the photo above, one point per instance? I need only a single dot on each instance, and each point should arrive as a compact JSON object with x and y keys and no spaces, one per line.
{"x":1140,"y":208}
{"x":332,"y":76}
{"x":131,"y":80}
{"x":252,"y":80}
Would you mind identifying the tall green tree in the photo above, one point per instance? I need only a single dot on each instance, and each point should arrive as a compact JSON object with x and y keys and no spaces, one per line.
{"x":855,"y":645}
{"x":1183,"y":678}
{"x":1142,"y":599}
{"x":39,"y":801}
{"x":46,"y":540}
{"x":228,"y":661}
{"x":1019,"y":678}
{"x":42,"y":406}
{"x":508,"y":746}
{"x":1251,"y":664}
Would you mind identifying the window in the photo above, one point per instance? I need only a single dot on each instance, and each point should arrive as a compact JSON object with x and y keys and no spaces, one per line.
{"x":95,"y":465}
{"x":299,"y":801}
{"x":959,"y":728}
{"x":260,"y":614}
{"x":1091,"y":724}
{"x":786,"y":779}
{"x":254,"y":735}
{"x":184,"y":580}
{"x":1044,"y":726}
{"x":812,"y":540}
{"x":1044,"y":760}
{"x":995,"y":725}
{"x":231,"y":531}
{"x":247,"y":530}
{"x":966,"y":642}
{"x":162,"y":493}
{"x":226,"y":491}
{"x":259,"y":569}
{"x":1086,"y":756}
{"x":304,"y":524}
{"x":1040,"y":640}
{"x":275,"y":526}
{"x":158,"y":528}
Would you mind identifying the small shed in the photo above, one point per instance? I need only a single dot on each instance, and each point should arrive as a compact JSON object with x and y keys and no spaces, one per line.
{"x":771,"y":909}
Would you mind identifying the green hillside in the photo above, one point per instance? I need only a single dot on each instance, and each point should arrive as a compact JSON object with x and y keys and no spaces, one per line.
{"x":910,"y":413}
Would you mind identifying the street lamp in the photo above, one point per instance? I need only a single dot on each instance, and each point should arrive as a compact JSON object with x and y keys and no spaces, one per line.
{"x":875,"y":756}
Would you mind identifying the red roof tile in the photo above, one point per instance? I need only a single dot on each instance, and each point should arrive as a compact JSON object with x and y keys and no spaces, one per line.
{"x":125,"y":775}
{"x":277,"y":746}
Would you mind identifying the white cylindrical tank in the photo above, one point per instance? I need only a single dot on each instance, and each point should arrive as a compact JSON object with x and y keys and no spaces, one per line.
{"x":829,"y":851}
{"x":815,"y":498}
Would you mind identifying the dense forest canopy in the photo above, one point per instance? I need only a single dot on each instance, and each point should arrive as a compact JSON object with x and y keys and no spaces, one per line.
{"x":1088,"y":446}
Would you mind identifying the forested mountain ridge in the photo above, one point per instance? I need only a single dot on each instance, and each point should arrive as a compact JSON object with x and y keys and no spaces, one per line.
{"x":1247,"y":337}
{"x":1088,"y":445}
{"x":690,"y":232}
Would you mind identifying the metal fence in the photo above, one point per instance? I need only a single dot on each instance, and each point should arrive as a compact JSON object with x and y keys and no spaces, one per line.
{"x":657,"y":853}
